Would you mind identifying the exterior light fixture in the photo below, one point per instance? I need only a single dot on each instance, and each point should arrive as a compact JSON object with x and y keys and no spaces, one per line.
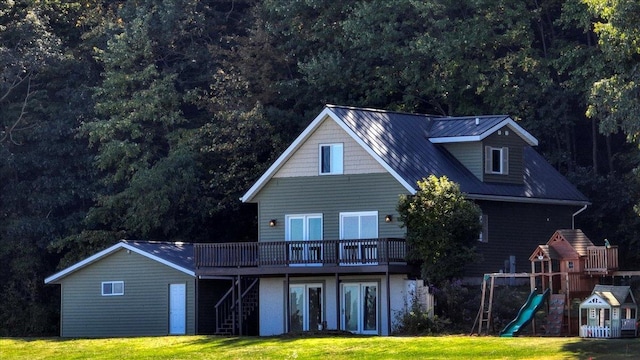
{"x":388,"y":218}
{"x":273,"y":222}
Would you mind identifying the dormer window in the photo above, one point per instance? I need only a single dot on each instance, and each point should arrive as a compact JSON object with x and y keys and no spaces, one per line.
{"x":331,"y":159}
{"x":496,"y":160}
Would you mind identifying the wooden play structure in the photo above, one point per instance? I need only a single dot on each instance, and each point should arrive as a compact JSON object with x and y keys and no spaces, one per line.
{"x":564,"y":271}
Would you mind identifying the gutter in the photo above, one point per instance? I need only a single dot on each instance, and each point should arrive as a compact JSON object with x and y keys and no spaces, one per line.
{"x":573,"y":217}
{"x":529,"y":200}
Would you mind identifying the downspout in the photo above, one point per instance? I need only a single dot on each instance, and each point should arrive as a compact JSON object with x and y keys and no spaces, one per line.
{"x":573,"y":217}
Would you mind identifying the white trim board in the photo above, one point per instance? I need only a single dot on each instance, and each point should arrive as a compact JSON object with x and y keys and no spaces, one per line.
{"x":108,"y":251}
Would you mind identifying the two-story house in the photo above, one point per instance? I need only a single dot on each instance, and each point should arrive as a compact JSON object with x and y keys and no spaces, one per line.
{"x":331,"y":252}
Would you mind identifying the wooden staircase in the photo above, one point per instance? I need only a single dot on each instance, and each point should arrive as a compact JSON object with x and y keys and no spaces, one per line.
{"x":236,"y":305}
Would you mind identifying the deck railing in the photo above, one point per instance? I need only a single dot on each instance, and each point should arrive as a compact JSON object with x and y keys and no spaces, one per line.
{"x":601,"y":259}
{"x":301,"y":253}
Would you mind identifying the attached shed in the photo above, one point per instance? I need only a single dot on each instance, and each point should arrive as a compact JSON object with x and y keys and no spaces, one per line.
{"x":610,"y":312}
{"x":133,"y":288}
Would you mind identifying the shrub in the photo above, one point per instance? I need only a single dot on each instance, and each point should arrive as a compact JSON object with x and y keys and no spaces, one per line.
{"x":416,"y":320}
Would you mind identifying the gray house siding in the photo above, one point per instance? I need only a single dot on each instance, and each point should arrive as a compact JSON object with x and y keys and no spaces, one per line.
{"x":329,"y":195}
{"x":143,"y":310}
{"x":516,"y":229}
{"x":516,"y":158}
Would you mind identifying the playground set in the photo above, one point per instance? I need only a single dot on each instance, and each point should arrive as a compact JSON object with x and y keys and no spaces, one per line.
{"x":565,"y":273}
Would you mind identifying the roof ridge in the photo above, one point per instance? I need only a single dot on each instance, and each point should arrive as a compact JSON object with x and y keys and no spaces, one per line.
{"x":471,"y":117}
{"x":333,"y":106}
{"x":128,"y":241}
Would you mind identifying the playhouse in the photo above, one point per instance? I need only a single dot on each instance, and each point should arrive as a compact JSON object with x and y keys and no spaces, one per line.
{"x":610,"y":312}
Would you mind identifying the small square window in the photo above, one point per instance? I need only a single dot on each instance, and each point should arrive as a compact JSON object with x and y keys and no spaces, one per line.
{"x":331,"y":159}
{"x":496,"y":160}
{"x":112,"y":288}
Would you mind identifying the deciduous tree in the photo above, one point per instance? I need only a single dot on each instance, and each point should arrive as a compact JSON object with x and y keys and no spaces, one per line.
{"x":442,"y":228}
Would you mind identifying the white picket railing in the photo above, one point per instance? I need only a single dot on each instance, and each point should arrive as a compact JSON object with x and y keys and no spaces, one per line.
{"x":587,"y":331}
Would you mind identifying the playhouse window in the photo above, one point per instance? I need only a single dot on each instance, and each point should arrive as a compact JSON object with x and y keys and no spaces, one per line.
{"x":112,"y":288}
{"x":570,"y":264}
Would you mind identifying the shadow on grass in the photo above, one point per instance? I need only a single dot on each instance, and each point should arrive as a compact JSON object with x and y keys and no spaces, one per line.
{"x":604,"y":348}
{"x":235,"y":341}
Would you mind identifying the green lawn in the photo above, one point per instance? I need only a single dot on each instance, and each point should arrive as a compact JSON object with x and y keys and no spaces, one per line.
{"x":333,"y":348}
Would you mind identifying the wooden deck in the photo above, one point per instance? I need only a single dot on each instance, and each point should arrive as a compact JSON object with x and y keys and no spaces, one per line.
{"x":300,"y":256}
{"x":601,"y":260}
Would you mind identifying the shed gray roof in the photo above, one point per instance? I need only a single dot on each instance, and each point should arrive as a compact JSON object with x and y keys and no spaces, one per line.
{"x":407,"y":145}
{"x":175,"y":255}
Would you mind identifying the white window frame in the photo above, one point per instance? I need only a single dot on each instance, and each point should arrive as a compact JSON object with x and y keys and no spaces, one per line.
{"x":306,"y":252}
{"x":113,"y":288}
{"x":360,"y":321}
{"x":360,"y":250}
{"x":336,"y":159}
{"x":359,"y":214}
{"x":306,"y":320}
{"x":503,"y":168}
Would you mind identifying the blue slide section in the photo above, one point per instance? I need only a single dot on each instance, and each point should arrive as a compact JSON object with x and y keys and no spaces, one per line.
{"x":526,"y":313}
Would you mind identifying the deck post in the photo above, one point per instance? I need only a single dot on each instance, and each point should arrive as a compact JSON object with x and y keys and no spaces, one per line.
{"x":240,"y":314}
{"x":287,"y":323}
{"x":388,"y":303}
{"x":338,"y":304}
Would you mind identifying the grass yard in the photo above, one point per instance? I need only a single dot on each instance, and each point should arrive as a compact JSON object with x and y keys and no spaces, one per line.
{"x":333,"y":348}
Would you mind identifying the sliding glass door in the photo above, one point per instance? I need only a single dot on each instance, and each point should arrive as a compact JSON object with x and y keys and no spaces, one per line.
{"x":305,"y":307}
{"x":360,"y":308}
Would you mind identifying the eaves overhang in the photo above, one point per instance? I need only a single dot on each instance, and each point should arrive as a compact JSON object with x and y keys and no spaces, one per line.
{"x":527,"y":200}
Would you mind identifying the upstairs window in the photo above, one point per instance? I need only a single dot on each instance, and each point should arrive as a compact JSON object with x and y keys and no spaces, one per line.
{"x":496,"y":160}
{"x":331,"y":159}
{"x":112,"y":288}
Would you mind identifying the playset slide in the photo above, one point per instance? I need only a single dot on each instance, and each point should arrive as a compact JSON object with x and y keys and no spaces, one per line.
{"x":526,"y":313}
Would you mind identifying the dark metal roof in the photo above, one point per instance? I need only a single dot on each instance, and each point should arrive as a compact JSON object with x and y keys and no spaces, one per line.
{"x":402,"y":141}
{"x":180,"y":254}
{"x":464,"y":126}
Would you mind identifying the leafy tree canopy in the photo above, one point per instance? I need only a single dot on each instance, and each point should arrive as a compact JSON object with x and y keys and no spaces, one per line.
{"x":442,"y":228}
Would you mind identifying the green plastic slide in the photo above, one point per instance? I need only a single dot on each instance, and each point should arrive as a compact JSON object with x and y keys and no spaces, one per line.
{"x":526,"y":313}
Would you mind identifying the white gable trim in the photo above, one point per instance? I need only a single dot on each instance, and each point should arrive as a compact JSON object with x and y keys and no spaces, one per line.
{"x":595,"y":301}
{"x":327,"y":113}
{"x":524,"y":134}
{"x":104,"y":253}
{"x":372,"y":153}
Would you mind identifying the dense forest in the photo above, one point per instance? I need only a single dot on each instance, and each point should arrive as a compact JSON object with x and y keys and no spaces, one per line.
{"x":148,"y":119}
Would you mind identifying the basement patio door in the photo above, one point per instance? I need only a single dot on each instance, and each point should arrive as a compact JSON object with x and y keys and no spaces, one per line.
{"x":360,"y":308}
{"x":305,"y":307}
